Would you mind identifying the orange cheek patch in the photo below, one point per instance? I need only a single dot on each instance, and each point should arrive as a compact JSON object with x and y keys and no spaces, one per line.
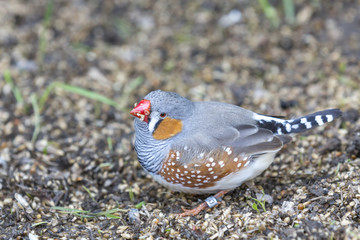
{"x":167,"y":128}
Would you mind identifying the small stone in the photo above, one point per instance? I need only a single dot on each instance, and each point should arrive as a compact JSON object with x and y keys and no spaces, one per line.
{"x":301,"y":206}
{"x":287,"y":208}
{"x":134,"y":216}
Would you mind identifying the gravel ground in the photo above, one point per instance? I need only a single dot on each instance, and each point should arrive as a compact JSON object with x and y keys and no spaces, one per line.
{"x":83,"y":158}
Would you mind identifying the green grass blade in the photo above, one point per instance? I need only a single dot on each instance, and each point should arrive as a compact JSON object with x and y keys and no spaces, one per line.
{"x":46,"y":94}
{"x":289,"y":11}
{"x":111,"y":216}
{"x":76,"y":90}
{"x":69,"y":210}
{"x":110,"y":144}
{"x":270,"y":13}
{"x":88,"y":191}
{"x":140,"y":204}
{"x":128,"y":90}
{"x":48,"y":13}
{"x":17,"y":94}
{"x":42,"y":41}
{"x":87,"y":214}
{"x":88,"y":94}
{"x":39,"y":223}
{"x":131,"y":195}
{"x":35,"y":106}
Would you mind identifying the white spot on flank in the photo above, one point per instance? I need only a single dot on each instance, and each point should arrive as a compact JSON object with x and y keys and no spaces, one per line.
{"x":319,"y":120}
{"x":215,"y":177}
{"x":329,"y":118}
{"x":213,"y":164}
{"x":308,"y":125}
{"x":201,"y":155}
{"x":192,"y":175}
{"x":189,"y":182}
{"x":247,"y":163}
{"x":211,"y":159}
{"x":196,"y":165}
{"x":172,"y":169}
{"x":295,"y":126}
{"x":279,"y":131}
{"x":199,"y":180}
{"x":185,"y":166}
{"x":228,"y":150}
{"x":186,"y":148}
{"x":186,"y":172}
{"x":193,"y":171}
{"x":288,"y":127}
{"x":173,"y":163}
{"x":198,"y":171}
{"x":239,"y":165}
{"x":221,"y":162}
{"x":178,"y":170}
{"x":199,"y":176}
{"x":212,"y":172}
{"x":210,"y":169}
{"x":236,"y":159}
{"x":303,"y":120}
{"x":208,"y":164}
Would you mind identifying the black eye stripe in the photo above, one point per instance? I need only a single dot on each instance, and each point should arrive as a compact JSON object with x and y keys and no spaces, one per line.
{"x":157,"y":124}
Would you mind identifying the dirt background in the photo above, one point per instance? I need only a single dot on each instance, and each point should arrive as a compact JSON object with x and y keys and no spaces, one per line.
{"x":83,"y":158}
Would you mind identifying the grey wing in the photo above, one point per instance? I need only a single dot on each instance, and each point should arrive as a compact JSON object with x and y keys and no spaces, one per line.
{"x":245,"y":139}
{"x":254,"y":140}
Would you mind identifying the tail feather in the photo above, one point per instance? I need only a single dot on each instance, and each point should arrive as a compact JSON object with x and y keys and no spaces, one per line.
{"x":313,"y":120}
{"x":280,"y":126}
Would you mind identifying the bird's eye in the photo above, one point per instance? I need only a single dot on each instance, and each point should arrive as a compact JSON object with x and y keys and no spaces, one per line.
{"x":162,"y":115}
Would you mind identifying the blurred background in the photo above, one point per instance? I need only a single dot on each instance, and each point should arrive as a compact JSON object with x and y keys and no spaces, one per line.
{"x":70,"y":71}
{"x":244,"y":52}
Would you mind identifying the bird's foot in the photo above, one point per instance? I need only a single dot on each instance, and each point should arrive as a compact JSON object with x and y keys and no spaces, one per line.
{"x":210,"y":202}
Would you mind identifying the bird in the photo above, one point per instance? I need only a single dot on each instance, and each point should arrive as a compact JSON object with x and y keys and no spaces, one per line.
{"x":210,"y":147}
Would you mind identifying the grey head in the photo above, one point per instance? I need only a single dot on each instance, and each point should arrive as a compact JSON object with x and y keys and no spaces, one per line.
{"x":151,"y":149}
{"x":170,"y":103}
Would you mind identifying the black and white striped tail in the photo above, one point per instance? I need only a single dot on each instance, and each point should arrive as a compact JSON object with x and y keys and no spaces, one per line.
{"x":280,"y":126}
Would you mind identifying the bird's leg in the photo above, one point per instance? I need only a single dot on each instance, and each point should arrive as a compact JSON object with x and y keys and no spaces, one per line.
{"x":209,"y":202}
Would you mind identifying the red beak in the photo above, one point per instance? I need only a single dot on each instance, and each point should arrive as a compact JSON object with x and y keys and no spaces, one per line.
{"x":142,"y":110}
